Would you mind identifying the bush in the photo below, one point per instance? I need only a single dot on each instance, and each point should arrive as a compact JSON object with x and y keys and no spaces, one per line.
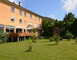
{"x":51,"y":39}
{"x":3,"y":37}
{"x":68,"y":35}
{"x":56,"y":38}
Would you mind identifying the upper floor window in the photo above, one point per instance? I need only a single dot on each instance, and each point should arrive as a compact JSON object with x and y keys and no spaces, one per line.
{"x":35,"y":25}
{"x":24,"y":13}
{"x":20,"y":20}
{"x":12,"y":9}
{"x":39,"y":18}
{"x":20,"y":11}
{"x":39,"y":25}
{"x":12,"y":19}
{"x":35,"y":17}
{"x":31,"y":23}
{"x":25,"y":22}
{"x":30,"y":15}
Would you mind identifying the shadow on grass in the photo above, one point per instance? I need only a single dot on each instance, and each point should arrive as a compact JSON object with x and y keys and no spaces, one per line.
{"x":74,"y":44}
{"x":51,"y":44}
{"x":44,"y":41}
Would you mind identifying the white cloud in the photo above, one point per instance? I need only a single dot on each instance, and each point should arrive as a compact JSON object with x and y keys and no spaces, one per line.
{"x":69,"y":5}
{"x":52,"y":16}
{"x":16,"y":0}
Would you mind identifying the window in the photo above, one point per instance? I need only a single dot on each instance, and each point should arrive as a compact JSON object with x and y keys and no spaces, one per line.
{"x":39,"y":25}
{"x":35,"y":17}
{"x":12,"y":19}
{"x":39,"y":19}
{"x":35,"y":25}
{"x":12,"y":9}
{"x":20,"y":11}
{"x":30,"y":15}
{"x":10,"y":29}
{"x":24,"y":30}
{"x":20,"y":20}
{"x":25,"y":22}
{"x":31,"y":23}
{"x":24,"y":13}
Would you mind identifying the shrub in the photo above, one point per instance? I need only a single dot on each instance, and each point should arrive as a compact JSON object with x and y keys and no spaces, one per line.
{"x":29,"y":48}
{"x":55,"y":37}
{"x":68,"y":35}
{"x":51,"y":39}
{"x":3,"y":37}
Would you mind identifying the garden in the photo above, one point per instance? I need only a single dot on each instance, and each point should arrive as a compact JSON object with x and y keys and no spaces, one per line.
{"x":41,"y":50}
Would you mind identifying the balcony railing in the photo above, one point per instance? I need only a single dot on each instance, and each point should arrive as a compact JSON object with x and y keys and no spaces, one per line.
{"x":20,"y":34}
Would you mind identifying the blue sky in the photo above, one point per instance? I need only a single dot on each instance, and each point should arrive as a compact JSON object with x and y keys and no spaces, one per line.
{"x":50,"y":8}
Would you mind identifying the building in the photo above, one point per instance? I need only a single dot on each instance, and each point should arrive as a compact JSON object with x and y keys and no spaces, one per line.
{"x":17,"y":21}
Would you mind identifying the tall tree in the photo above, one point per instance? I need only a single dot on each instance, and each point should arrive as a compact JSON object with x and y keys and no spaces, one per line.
{"x":73,"y":28}
{"x":47,"y":27}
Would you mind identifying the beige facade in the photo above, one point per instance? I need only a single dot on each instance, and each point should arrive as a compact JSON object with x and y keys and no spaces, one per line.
{"x":13,"y":16}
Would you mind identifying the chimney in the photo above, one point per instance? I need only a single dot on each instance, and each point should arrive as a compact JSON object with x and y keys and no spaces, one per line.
{"x":20,"y":4}
{"x":13,"y":2}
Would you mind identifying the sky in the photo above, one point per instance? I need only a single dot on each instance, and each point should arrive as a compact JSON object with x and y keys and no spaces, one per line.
{"x":55,"y":9}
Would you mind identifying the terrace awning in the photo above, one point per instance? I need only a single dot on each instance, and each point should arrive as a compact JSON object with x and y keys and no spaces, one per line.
{"x":30,"y":28}
{"x":20,"y":27}
{"x":10,"y":27}
{"x":1,"y":25}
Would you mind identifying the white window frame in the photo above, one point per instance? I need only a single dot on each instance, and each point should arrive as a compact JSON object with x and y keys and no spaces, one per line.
{"x":24,"y":22}
{"x":31,"y":23}
{"x":30,"y":15}
{"x":13,"y":19}
{"x":20,"y":12}
{"x":21,"y":21}
{"x":12,"y":9}
{"x":35,"y":17}
{"x":35,"y":25}
{"x":39,"y":18}
{"x":25,"y":14}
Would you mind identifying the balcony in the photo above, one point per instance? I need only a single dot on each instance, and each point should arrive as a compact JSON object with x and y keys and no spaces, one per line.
{"x":20,"y":34}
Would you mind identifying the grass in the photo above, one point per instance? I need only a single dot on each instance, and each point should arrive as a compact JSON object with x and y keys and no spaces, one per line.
{"x":42,"y":50}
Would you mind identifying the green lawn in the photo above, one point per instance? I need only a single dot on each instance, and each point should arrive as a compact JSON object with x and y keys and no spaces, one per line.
{"x":42,"y":50}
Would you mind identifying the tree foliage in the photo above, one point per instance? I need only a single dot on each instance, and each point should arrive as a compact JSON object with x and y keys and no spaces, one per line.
{"x":68,"y":35}
{"x":46,"y":27}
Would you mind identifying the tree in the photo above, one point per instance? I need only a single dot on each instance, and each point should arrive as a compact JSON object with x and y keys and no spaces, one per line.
{"x":66,"y":24}
{"x":47,"y":27}
{"x":68,"y":35}
{"x":73,"y":28}
{"x":56,"y":33}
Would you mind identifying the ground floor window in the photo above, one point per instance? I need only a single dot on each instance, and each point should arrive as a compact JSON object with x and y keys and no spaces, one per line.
{"x":18,"y":30}
{"x":9,"y":29}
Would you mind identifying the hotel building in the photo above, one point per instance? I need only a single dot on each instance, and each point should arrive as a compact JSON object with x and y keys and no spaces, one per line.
{"x":17,"y":21}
